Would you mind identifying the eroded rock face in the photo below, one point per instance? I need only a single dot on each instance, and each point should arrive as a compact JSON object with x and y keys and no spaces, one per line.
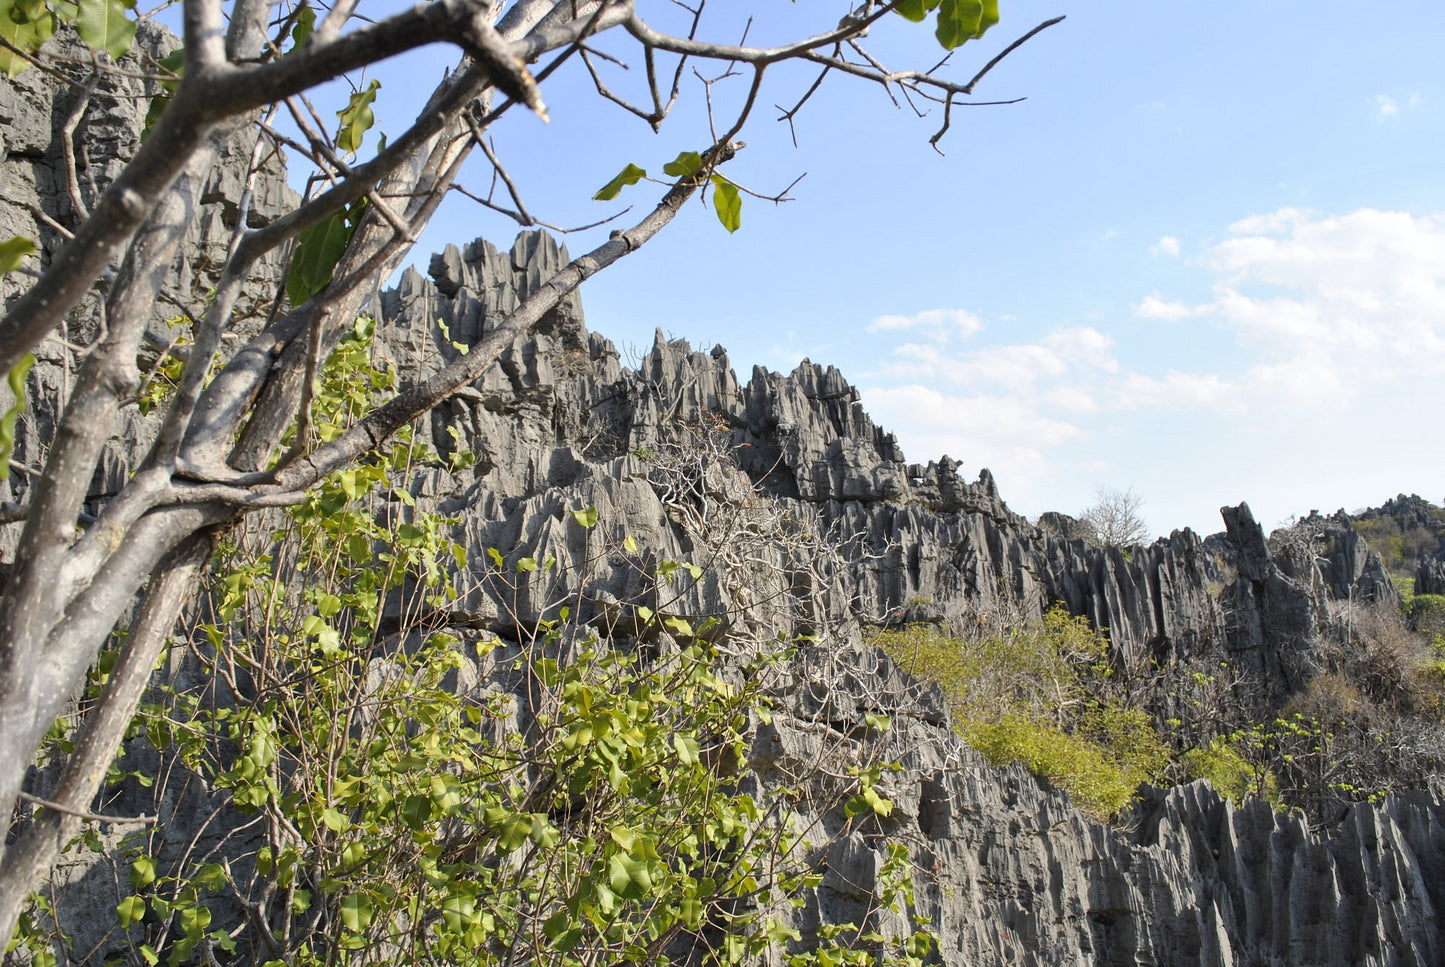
{"x":920,"y":539}
{"x":1008,"y":871}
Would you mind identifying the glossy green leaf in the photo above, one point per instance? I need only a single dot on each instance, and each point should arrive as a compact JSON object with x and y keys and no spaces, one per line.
{"x":357,"y":118}
{"x":960,"y":21}
{"x":686,"y":163}
{"x":356,"y":912}
{"x":727,"y":202}
{"x":630,"y":175}
{"x":318,"y":249}
{"x":103,"y":25}
{"x":587,"y":519}
{"x":687,"y":748}
{"x":142,"y":872}
{"x":629,"y":878}
{"x":130,"y":911}
{"x":195,"y":920}
{"x":916,"y":10}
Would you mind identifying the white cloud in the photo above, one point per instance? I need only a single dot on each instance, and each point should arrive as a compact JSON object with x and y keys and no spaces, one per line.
{"x":1322,"y":305}
{"x":940,"y":325}
{"x":1273,"y":222}
{"x":1315,"y":325}
{"x":1153,"y":307}
{"x":1168,"y":245}
{"x":1083,"y":347}
{"x":1388,"y":108}
{"x":980,"y":429}
{"x":1016,"y":366}
{"x":1180,"y":391}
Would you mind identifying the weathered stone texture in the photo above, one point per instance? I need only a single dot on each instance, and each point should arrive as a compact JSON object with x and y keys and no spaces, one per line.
{"x":842,"y":531}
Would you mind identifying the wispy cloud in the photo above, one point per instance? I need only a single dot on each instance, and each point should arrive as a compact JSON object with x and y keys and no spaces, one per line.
{"x":1168,"y":245}
{"x":1153,"y":307}
{"x":1389,"y":108}
{"x":938,"y":325}
{"x":1323,"y":304}
{"x":1312,"y":315}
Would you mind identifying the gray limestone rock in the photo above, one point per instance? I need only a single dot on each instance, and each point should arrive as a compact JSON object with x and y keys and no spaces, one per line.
{"x":828,"y":528}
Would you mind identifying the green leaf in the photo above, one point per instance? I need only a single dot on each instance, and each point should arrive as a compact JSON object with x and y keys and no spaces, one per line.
{"x":175,"y":62}
{"x":318,"y":249}
{"x":527,"y":564}
{"x":356,"y":912}
{"x":679,"y":625}
{"x":212,"y":876}
{"x":960,"y":21}
{"x":687,"y":749}
{"x":629,"y":544}
{"x":562,"y":930}
{"x":630,"y":175}
{"x":195,"y":920}
{"x":16,"y":380}
{"x":13,"y":252}
{"x":305,"y":25}
{"x":916,"y":10}
{"x":130,"y":911}
{"x":727,"y":202}
{"x":104,"y":26}
{"x":512,"y":829}
{"x":142,"y":872}
{"x":416,"y":811}
{"x":543,"y":833}
{"x":587,"y":519}
{"x":25,"y":34}
{"x":445,"y":792}
{"x":686,"y":163}
{"x":629,"y":878}
{"x":357,"y":118}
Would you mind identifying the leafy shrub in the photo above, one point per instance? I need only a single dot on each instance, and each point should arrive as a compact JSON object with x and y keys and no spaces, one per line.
{"x":1229,"y":772}
{"x":1427,"y":615}
{"x":1097,"y":782}
{"x":1040,"y":693}
{"x":587,"y":803}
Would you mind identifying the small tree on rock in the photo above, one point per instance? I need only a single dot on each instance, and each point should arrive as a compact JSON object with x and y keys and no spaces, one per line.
{"x":1115,"y":518}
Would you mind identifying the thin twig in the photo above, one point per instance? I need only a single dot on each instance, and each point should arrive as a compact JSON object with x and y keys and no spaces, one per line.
{"x":93,"y":817}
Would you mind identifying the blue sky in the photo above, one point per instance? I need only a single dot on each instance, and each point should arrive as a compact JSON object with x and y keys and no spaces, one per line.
{"x":1205,"y":259}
